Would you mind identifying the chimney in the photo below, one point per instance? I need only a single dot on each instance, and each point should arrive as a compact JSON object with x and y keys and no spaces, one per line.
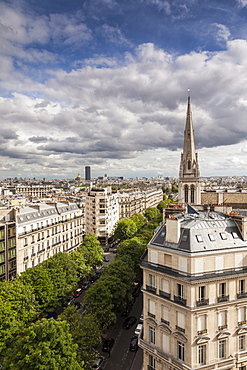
{"x":172,"y":229}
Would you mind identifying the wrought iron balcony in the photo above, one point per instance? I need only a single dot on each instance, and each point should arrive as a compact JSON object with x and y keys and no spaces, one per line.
{"x":223,"y":298}
{"x":202,"y":302}
{"x":200,"y":332}
{"x":164,"y":294}
{"x":151,"y":289}
{"x":165,"y":322}
{"x":242,"y":295}
{"x":222,"y":327}
{"x":180,"y":300}
{"x":180,"y":329}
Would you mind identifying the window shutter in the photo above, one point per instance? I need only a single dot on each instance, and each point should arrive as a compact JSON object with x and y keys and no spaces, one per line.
{"x":201,"y":322}
{"x":222,"y":318}
{"x":166,"y":343}
{"x":165,"y":286}
{"x":152,"y":307}
{"x":165,"y":313}
{"x":241,"y":314}
{"x":181,"y":320}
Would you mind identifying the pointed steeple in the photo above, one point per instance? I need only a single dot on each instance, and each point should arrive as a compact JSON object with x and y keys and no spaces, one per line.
{"x":189,"y":174}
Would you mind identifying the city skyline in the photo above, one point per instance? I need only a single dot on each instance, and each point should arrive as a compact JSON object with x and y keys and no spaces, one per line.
{"x":104,"y":84}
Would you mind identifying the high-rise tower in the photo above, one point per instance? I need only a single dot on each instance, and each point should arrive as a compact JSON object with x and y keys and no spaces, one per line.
{"x":87,"y":173}
{"x":189,"y":190}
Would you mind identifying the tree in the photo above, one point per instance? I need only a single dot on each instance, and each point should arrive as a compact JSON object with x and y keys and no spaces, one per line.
{"x":98,"y":301}
{"x":85,"y":332}
{"x":151,"y":213}
{"x":125,"y":229}
{"x":139,"y":220}
{"x":134,"y":248}
{"x":44,"y":345}
{"x":174,"y":188}
{"x":45,"y":293}
{"x":81,"y":269}
{"x":162,"y":205}
{"x":91,"y":251}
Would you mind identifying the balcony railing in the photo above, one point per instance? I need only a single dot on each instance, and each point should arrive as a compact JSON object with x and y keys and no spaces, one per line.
{"x":165,"y":322}
{"x":151,"y":289}
{"x":242,"y":323}
{"x":180,"y":300}
{"x":200,"y":332}
{"x":222,"y":327}
{"x":151,"y":315}
{"x":202,"y":302}
{"x":223,"y":298}
{"x":165,"y":294}
{"x":242,"y":295}
{"x":180,"y":329}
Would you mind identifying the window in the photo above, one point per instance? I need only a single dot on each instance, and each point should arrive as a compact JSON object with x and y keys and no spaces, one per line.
{"x":151,"y":308}
{"x":241,"y":316}
{"x":153,"y":256}
{"x":152,"y":280}
{"x":223,"y":236}
{"x":167,"y":259}
{"x":151,"y":362}
{"x":165,"y":286}
{"x":184,"y":238}
{"x":186,"y":194}
{"x":180,"y":290}
{"x":222,"y":349}
{"x":211,"y":237}
{"x":199,"y":265}
{"x":241,"y":286}
{"x":222,"y":289}
{"x":151,"y":335}
{"x":219,"y":263}
{"x":166,"y":343}
{"x":222,"y":320}
{"x":192,"y":194}
{"x":234,"y":235}
{"x":180,"y":322}
{"x":202,"y":354}
{"x":2,"y":257}
{"x":201,"y":291}
{"x":165,"y":315}
{"x":199,"y":238}
{"x":201,"y":324}
{"x":180,"y":348}
{"x":241,"y":343}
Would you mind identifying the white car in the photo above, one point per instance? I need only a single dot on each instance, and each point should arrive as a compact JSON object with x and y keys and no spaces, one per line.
{"x":138,"y":330}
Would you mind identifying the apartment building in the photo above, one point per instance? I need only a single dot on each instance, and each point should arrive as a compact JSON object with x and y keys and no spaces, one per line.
{"x":101,"y":212}
{"x":137,"y":201}
{"x":31,"y":234}
{"x":195,"y":293}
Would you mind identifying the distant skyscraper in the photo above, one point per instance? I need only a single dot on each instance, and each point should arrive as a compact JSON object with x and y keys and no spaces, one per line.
{"x":87,"y":173}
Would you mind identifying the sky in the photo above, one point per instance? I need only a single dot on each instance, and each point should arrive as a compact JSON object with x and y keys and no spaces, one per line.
{"x":104,"y":83}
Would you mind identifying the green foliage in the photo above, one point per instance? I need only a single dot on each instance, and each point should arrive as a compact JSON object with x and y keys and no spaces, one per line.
{"x":162,"y":205}
{"x":151,"y":213}
{"x":44,"y":290}
{"x":81,"y":269}
{"x":86,"y":334}
{"x":91,"y":251}
{"x":45,"y":345}
{"x":125,"y":229}
{"x":139,"y":220}
{"x":134,"y":248}
{"x":165,"y":189}
{"x":174,"y":188}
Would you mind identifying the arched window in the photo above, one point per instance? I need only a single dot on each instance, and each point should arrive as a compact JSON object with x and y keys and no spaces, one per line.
{"x":192,"y":194}
{"x":186,"y":193}
{"x":189,"y":164}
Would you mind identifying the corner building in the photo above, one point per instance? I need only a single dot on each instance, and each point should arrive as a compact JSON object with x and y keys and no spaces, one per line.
{"x":194,"y":293}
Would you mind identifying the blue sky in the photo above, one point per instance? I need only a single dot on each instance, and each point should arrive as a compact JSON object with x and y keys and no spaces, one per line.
{"x":104,"y":83}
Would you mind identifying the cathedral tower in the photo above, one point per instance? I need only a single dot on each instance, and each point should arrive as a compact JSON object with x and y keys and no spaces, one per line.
{"x":189,"y":190}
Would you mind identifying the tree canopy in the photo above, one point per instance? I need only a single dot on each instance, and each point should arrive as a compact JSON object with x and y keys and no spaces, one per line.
{"x":125,"y":229}
{"x":151,"y":213}
{"x":91,"y":251}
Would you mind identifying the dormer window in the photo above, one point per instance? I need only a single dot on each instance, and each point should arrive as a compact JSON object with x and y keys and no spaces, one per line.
{"x":234,"y":235}
{"x":199,"y":238}
{"x":211,"y":237}
{"x":223,"y":236}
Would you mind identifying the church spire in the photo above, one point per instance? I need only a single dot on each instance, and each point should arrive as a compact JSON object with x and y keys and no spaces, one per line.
{"x":189,"y":175}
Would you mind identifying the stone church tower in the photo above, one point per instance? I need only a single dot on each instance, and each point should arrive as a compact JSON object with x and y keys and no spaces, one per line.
{"x":189,"y":190}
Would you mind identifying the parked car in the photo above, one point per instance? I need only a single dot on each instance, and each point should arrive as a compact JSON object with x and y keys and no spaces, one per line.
{"x":127,"y":310}
{"x":108,"y":344}
{"x":138,"y":329}
{"x":78,"y":292}
{"x":86,"y":285}
{"x":93,"y":278}
{"x":133,"y":344}
{"x":131,"y":320}
{"x":106,"y":259}
{"x":106,"y":249}
{"x":98,"y":363}
{"x":114,"y":251}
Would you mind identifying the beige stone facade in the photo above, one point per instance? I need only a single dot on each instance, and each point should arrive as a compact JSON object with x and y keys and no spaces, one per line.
{"x":195,"y":294}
